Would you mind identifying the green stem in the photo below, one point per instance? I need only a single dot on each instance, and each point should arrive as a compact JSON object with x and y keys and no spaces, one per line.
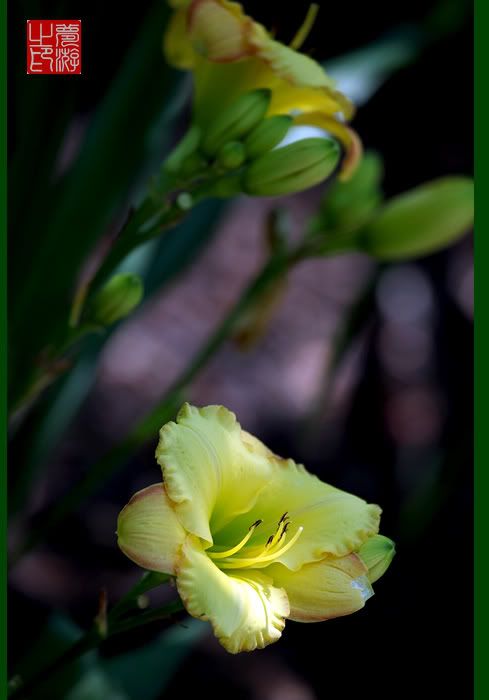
{"x":353,"y":324}
{"x":109,"y":464}
{"x":164,"y":213}
{"x":150,"y":580}
{"x":135,"y":232}
{"x":158,"y":212}
{"x":20,"y":689}
{"x":53,"y":365}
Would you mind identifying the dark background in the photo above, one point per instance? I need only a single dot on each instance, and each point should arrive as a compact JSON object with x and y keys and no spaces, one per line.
{"x":402,"y":438}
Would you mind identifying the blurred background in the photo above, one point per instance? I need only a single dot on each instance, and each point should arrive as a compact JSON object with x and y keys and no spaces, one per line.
{"x":390,"y":419}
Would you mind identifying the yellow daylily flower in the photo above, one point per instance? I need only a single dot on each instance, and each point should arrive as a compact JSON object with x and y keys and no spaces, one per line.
{"x":230,"y":54}
{"x":251,"y":538}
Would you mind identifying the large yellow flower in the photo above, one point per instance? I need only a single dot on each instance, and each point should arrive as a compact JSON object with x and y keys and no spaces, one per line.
{"x":229,"y":54}
{"x":251,"y":538}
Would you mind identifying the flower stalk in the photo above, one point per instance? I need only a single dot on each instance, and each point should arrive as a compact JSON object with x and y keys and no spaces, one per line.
{"x":116,"y":622}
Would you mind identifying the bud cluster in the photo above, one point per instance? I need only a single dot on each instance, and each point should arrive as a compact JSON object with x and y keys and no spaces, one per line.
{"x":240,"y":152}
{"x":115,"y":300}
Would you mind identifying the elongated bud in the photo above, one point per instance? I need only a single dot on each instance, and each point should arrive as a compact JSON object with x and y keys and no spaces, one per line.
{"x":292,"y":168}
{"x":267,"y":135}
{"x":349,"y":204}
{"x":377,"y":553}
{"x":231,"y":155}
{"x":237,"y":120}
{"x":183,"y":150}
{"x":421,"y":221}
{"x":117,"y":298}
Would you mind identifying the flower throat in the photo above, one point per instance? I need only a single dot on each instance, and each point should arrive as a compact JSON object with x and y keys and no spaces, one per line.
{"x":260,"y":555}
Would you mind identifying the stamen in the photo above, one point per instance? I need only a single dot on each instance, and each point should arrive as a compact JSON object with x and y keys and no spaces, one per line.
{"x":266,"y":556}
{"x":305,"y":27}
{"x":236,"y":548}
{"x":274,"y":539}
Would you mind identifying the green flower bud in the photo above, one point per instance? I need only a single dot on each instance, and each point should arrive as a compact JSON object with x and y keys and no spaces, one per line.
{"x":349,"y":204}
{"x":377,"y":553}
{"x":231,"y":155}
{"x":237,"y":120}
{"x":117,"y":298}
{"x":183,"y":150}
{"x":421,"y":221}
{"x":292,"y":168}
{"x":267,"y":135}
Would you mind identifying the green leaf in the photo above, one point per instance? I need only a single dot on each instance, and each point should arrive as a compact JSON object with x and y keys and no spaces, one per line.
{"x":58,"y":635}
{"x":144,"y":673}
{"x":95,"y":684}
{"x":119,"y":152}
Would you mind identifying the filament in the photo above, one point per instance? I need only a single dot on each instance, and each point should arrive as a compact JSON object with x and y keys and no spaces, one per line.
{"x":305,"y":28}
{"x":265,"y":557}
{"x":236,"y":548}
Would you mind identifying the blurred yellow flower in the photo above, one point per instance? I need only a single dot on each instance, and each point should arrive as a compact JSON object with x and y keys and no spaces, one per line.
{"x":251,"y":538}
{"x":230,"y":54}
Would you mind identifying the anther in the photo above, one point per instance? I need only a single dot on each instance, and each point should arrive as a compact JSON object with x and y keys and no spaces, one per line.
{"x":263,"y":558}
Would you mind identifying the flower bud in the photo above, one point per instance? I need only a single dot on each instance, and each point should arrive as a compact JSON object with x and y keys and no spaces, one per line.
{"x":421,"y":221}
{"x":183,"y":150}
{"x":377,"y":553}
{"x":231,"y":156}
{"x":117,"y":298}
{"x":292,"y":168}
{"x":349,"y":204}
{"x":267,"y":135}
{"x":236,"y":120}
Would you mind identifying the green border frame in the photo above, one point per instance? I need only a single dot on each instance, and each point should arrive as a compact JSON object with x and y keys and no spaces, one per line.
{"x":481,"y":472}
{"x":481,"y":665}
{"x":3,"y":341}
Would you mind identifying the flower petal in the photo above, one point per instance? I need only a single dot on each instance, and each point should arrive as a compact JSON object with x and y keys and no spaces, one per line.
{"x":323,"y":590}
{"x":304,"y":83}
{"x":225,"y":37}
{"x":219,"y":30}
{"x":176,"y":46}
{"x":148,"y":530}
{"x":211,"y":473}
{"x":246,"y":611}
{"x":335,"y":522}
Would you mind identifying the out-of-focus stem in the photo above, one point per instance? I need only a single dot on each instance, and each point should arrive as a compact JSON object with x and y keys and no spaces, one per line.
{"x":161,"y":210}
{"x":352,"y":326}
{"x":20,"y":688}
